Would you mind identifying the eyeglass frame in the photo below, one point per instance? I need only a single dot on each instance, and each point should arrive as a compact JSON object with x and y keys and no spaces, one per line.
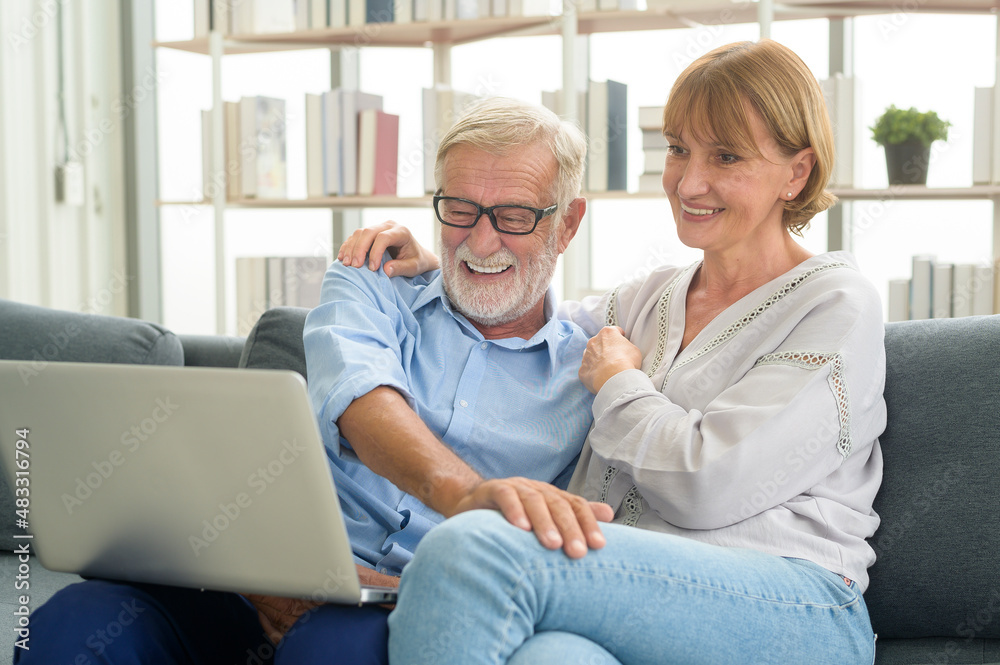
{"x":540,"y":214}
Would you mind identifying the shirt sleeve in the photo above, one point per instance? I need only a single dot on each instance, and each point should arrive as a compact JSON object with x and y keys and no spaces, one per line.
{"x":588,"y":313}
{"x":787,"y":424}
{"x":353,"y":344}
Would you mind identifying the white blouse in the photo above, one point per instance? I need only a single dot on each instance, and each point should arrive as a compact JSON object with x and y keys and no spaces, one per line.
{"x":763,"y":432}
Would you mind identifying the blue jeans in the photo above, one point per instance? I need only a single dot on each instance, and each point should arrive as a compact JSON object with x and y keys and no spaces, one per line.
{"x":108,"y":623}
{"x":481,"y":591}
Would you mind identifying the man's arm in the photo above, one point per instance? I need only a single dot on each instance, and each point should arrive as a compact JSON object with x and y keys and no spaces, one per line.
{"x":391,"y":440}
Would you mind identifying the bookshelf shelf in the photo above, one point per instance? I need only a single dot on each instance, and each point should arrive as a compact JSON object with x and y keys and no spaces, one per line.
{"x":918,"y":192}
{"x":328,"y":202}
{"x":337,"y":202}
{"x":901,"y":192}
{"x":660,"y":15}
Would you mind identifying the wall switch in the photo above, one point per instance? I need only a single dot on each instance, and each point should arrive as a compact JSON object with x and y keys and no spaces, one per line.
{"x":69,"y":183}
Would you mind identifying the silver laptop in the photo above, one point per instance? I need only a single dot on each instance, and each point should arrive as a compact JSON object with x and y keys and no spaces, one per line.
{"x":196,"y":477}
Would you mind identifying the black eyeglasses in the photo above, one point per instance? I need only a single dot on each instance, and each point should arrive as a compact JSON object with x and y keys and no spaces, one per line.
{"x":510,"y":219}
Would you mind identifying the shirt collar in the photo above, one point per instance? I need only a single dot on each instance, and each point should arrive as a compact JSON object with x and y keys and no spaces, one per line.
{"x":549,"y":334}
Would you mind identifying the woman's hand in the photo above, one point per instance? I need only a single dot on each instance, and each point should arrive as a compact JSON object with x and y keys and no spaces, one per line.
{"x":607,"y":354}
{"x":410,"y":258}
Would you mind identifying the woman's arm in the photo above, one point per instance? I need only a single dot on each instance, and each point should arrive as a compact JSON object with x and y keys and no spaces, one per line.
{"x":410,"y":258}
{"x":785,"y":425}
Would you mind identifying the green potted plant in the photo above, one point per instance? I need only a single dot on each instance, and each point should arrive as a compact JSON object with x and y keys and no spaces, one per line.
{"x":907,"y":136}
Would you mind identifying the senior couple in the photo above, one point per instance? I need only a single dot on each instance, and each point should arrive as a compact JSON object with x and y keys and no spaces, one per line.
{"x":715,"y":424}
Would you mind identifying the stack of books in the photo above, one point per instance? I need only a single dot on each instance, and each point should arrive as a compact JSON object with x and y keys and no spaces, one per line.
{"x":441,"y":107}
{"x":352,"y":145}
{"x":254,"y":17}
{"x":263,"y":282}
{"x":607,"y":136}
{"x":602,"y":115}
{"x":255,"y":161}
{"x":938,"y":290}
{"x":654,"y":148}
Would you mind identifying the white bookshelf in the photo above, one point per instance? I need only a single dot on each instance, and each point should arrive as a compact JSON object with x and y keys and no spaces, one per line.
{"x":573,"y":28}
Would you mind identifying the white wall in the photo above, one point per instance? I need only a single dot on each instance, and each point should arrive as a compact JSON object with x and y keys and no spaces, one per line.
{"x":53,"y":254}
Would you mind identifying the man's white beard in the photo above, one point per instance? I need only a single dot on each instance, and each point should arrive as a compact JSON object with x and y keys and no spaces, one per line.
{"x":507,"y":299}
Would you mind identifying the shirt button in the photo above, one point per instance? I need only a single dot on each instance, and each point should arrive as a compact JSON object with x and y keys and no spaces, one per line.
{"x":385,"y":571}
{"x":484,"y":346}
{"x":463,"y":402}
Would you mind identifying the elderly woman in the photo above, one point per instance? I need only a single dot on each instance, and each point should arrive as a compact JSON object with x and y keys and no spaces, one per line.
{"x":738,"y":405}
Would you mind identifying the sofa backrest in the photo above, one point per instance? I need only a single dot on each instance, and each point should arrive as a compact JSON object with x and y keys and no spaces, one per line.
{"x":938,"y":571}
{"x":39,"y":335}
{"x":276,"y":341}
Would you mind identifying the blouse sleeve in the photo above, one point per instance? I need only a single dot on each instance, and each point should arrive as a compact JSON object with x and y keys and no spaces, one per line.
{"x":790,"y":421}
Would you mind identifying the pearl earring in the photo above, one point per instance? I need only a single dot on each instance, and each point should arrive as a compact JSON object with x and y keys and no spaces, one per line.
{"x":789,"y":195}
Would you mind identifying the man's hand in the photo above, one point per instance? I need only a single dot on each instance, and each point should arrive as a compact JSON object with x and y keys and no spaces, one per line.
{"x":608,"y":353}
{"x":410,"y":258}
{"x":558,"y":518}
{"x":370,"y":577}
{"x":277,"y":614}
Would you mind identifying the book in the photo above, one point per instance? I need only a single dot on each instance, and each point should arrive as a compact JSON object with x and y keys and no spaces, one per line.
{"x":318,"y":14}
{"x":653,"y":139}
{"x":352,"y":102}
{"x":982,"y":135}
{"x":404,"y":11}
{"x":441,"y":106}
{"x":263,"y":282}
{"x":467,"y":9}
{"x":262,"y":147}
{"x":921,"y":286}
{"x":303,"y":280}
{"x":301,"y":10}
{"x":941,"y":289}
{"x":357,"y":13}
{"x":962,"y":289}
{"x":337,"y":13}
{"x":651,"y":182}
{"x":234,"y":188}
{"x":653,"y":160}
{"x":207,"y":186}
{"x":378,"y":152}
{"x":314,"y":146}
{"x":838,"y":92}
{"x":254,"y":17}
{"x":499,"y":8}
{"x":607,"y":134}
{"x":985,"y":291}
{"x":332,"y":155}
{"x":899,"y":299}
{"x":251,"y":292}
{"x":380,"y":11}
{"x":202,"y":18}
{"x":534,"y":7}
{"x":651,"y":117}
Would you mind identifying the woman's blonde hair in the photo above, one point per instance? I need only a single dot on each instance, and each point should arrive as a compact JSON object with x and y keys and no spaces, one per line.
{"x":499,"y":124}
{"x":710,"y":97}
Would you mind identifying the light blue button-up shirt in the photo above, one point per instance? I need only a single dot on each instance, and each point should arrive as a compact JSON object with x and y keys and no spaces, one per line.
{"x":508,"y":407}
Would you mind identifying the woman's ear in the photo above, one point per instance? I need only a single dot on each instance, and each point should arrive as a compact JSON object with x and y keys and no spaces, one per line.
{"x":802,"y":165}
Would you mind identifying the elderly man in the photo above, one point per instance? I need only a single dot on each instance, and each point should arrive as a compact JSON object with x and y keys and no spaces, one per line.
{"x":435,"y":395}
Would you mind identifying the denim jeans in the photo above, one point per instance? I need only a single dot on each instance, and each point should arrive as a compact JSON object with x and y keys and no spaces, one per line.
{"x":99,"y":622}
{"x":481,"y":591}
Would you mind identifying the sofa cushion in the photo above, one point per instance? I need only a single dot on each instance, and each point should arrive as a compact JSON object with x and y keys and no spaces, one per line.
{"x":276,"y":341}
{"x":39,"y":335}
{"x":212,"y":350}
{"x":936,"y":573}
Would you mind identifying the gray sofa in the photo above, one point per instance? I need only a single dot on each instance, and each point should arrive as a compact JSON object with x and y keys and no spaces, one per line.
{"x":935,"y":589}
